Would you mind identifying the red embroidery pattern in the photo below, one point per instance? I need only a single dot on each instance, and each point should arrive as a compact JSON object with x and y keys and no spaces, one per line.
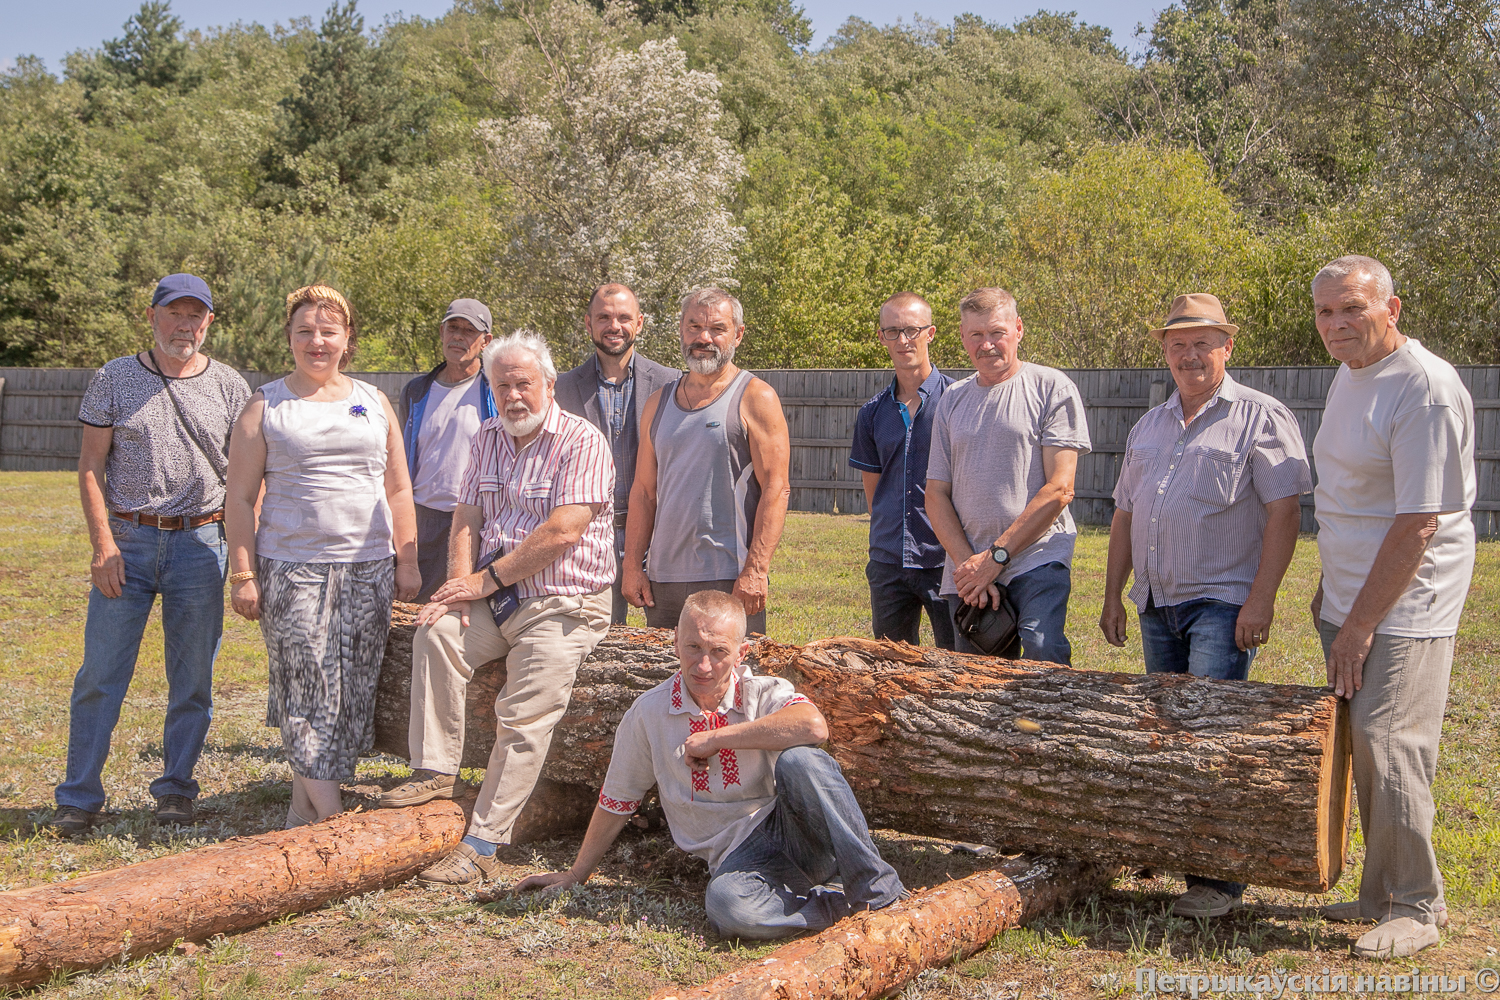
{"x":616,"y":806}
{"x":677,"y":692}
{"x":729,"y":764}
{"x":797,"y":699}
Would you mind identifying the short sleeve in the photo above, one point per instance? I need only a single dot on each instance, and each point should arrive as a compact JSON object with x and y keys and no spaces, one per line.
{"x":468,"y":487}
{"x":1121,"y":494}
{"x":940,"y":452}
{"x":630,"y":774}
{"x":774,"y":694}
{"x":863,"y":454}
{"x":1429,"y":449}
{"x":1278,"y":459}
{"x":98,"y":406}
{"x":586,"y":471}
{"x":1065,"y":425}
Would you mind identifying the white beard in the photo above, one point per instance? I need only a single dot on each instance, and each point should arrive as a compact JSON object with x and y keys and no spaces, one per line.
{"x":522,"y":426}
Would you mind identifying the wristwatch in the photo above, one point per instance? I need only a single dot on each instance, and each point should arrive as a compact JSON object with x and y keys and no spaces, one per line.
{"x":1000,"y":554}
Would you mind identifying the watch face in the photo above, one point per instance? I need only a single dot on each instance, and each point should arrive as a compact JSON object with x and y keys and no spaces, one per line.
{"x":1000,"y":554}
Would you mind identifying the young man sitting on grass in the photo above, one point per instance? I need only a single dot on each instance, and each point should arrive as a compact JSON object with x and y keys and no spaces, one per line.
{"x":744,"y":788}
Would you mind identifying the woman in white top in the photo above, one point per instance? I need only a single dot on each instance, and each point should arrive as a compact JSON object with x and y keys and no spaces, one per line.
{"x":317,"y":571}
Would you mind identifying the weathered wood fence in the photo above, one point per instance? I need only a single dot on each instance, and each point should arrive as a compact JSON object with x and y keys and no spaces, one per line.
{"x":39,"y":426}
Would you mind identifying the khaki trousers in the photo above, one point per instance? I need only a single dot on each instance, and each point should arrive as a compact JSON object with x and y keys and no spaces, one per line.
{"x":1396,"y":718}
{"x":543,"y":644}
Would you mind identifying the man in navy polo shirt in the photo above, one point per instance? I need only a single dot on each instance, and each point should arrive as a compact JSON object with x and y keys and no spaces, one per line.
{"x":891,"y":438}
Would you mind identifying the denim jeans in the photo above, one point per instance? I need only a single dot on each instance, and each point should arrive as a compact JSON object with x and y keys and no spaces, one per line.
{"x":775,"y":883}
{"x":1041,"y":599}
{"x":187,"y":569}
{"x":1196,"y":637}
{"x":898,"y":595}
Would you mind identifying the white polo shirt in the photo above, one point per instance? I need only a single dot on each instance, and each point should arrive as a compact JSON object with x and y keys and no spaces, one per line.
{"x":710,"y":812}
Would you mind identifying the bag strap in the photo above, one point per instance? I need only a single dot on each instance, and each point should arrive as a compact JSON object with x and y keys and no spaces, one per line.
{"x":183,"y":420}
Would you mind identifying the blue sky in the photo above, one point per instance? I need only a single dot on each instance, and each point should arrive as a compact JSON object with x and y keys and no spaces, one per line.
{"x":51,"y":28}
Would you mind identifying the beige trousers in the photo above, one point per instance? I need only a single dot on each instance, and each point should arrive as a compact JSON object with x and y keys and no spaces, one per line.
{"x":1396,"y":718}
{"x":543,"y":644}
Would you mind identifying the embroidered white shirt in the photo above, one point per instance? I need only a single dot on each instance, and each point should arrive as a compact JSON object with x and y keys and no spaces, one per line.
{"x":710,"y":812}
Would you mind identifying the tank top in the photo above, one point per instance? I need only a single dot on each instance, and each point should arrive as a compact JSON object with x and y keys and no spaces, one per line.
{"x":706,"y":490}
{"x":325,"y":478}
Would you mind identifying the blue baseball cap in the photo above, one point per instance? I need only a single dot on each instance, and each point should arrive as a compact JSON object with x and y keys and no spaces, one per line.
{"x":176,"y":286}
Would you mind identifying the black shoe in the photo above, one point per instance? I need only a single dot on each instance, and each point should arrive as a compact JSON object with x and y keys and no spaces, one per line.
{"x":174,"y":809}
{"x":71,"y":820}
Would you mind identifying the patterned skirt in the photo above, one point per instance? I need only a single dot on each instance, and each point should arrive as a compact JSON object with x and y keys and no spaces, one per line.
{"x":325,"y":627}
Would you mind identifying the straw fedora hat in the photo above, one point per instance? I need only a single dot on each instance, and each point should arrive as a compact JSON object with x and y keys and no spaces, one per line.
{"x":1198,"y":309}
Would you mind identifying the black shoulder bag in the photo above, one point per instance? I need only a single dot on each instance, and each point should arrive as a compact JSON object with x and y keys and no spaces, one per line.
{"x":994,"y":631}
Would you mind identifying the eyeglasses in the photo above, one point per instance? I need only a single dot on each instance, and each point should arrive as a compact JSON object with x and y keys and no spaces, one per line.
{"x":895,"y":333}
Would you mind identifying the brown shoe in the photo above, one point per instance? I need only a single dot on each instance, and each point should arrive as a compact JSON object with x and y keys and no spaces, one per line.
{"x":70,"y":821}
{"x":462,"y":866}
{"x":425,"y":786}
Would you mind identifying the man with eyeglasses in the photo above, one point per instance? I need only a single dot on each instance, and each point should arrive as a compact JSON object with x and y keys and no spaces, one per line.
{"x":1005,"y":447}
{"x":892,"y":435}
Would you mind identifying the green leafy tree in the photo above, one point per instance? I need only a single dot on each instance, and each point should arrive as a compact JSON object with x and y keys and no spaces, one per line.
{"x":151,"y":53}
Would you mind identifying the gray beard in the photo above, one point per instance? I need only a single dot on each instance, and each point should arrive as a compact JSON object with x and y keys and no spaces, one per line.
{"x":708,"y":366}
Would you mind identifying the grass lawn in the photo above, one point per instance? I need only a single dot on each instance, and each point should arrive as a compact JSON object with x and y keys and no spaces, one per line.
{"x":639,"y":925}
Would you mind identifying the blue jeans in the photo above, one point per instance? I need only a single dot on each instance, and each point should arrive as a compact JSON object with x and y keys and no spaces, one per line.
{"x":1041,"y":599}
{"x":775,"y":882}
{"x":898,"y":595}
{"x":1196,"y":637}
{"x":187,"y":569}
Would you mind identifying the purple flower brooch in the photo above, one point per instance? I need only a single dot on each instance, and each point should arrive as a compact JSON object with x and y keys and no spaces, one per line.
{"x":357,"y":410}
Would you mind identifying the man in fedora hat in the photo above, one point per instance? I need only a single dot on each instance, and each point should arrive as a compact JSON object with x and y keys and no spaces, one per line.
{"x":1206,"y":515}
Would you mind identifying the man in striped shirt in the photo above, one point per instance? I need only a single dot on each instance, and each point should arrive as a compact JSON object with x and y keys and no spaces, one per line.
{"x":537,"y":501}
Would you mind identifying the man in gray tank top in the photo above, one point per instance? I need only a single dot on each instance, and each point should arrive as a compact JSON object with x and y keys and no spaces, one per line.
{"x":712,"y":476}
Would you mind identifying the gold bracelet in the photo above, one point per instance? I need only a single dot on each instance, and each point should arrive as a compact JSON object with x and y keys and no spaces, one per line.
{"x":249,"y":574}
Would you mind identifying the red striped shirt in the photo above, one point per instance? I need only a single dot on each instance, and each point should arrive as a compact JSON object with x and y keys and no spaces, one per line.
{"x":568,"y":462}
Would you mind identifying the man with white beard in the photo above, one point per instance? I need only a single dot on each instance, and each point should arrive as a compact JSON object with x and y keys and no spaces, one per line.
{"x":712,"y":476}
{"x":536,"y":500}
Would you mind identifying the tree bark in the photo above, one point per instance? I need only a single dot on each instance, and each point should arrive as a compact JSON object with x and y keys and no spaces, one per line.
{"x":875,"y":954}
{"x":93,"y":920}
{"x":1227,"y":779}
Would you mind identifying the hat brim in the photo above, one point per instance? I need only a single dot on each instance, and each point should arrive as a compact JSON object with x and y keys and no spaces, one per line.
{"x":1161,"y":332}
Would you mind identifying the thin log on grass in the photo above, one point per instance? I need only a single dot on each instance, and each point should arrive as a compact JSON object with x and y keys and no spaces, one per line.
{"x":1228,"y":779}
{"x":93,"y":920}
{"x":875,"y":954}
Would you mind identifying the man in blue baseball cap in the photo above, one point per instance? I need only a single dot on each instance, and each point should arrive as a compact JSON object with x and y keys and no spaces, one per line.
{"x":151,"y":476}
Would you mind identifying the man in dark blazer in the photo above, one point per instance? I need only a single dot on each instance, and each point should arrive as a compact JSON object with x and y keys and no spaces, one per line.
{"x":611,"y":389}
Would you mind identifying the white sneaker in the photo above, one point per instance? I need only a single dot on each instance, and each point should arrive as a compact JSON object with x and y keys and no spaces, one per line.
{"x":1204,"y":901}
{"x":1398,"y":937}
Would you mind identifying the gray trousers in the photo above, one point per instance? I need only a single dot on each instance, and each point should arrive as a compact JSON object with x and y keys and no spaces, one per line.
{"x":1396,"y":718}
{"x":670,"y":597}
{"x":433,"y":527}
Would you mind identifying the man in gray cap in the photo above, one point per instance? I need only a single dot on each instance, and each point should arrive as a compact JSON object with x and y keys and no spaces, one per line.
{"x":440,"y":413}
{"x":151,"y":477}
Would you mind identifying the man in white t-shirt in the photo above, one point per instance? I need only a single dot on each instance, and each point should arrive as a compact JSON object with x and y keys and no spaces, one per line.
{"x":744,"y":786}
{"x":1005,"y":447}
{"x":1395,"y":463}
{"x":440,"y":414}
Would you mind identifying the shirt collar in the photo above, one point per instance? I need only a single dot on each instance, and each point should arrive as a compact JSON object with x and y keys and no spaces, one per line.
{"x":931,"y":384}
{"x":1228,"y":390}
{"x":682,"y":703}
{"x":629,"y":371}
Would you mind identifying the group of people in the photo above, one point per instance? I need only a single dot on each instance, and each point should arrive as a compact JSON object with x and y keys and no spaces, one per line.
{"x":527,"y":509}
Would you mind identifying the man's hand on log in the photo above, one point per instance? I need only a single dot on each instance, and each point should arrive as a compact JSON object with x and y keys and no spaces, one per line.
{"x":556,"y":881}
{"x":1253,"y":627}
{"x":1113,"y":621}
{"x":1346,"y":660}
{"x":458,"y":591}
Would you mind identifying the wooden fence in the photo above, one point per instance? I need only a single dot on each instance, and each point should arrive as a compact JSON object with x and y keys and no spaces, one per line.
{"x":39,"y":426}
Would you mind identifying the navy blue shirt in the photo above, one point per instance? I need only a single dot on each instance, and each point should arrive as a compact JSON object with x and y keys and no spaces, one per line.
{"x":888,"y":441}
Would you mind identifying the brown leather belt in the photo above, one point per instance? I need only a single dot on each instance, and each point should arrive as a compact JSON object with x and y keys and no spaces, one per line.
{"x":170,"y":523}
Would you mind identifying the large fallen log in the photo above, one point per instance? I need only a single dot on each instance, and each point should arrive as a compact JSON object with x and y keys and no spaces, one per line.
{"x":94,"y":920}
{"x":875,"y":954}
{"x":1230,"y":779}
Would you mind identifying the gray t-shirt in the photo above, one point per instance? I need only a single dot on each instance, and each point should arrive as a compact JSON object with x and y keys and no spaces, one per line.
{"x":987,"y":442}
{"x":153,"y":465}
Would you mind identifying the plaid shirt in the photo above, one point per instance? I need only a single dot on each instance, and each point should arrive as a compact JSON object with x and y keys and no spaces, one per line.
{"x":568,"y":462}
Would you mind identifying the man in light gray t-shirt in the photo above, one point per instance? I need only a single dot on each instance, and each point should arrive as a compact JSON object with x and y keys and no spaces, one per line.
{"x":1005,"y":447}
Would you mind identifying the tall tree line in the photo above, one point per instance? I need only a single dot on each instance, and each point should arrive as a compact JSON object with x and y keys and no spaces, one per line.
{"x":522,"y":150}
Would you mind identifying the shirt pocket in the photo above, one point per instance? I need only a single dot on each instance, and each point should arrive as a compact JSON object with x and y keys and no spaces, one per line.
{"x":1138,"y":464}
{"x":1215,"y":477}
